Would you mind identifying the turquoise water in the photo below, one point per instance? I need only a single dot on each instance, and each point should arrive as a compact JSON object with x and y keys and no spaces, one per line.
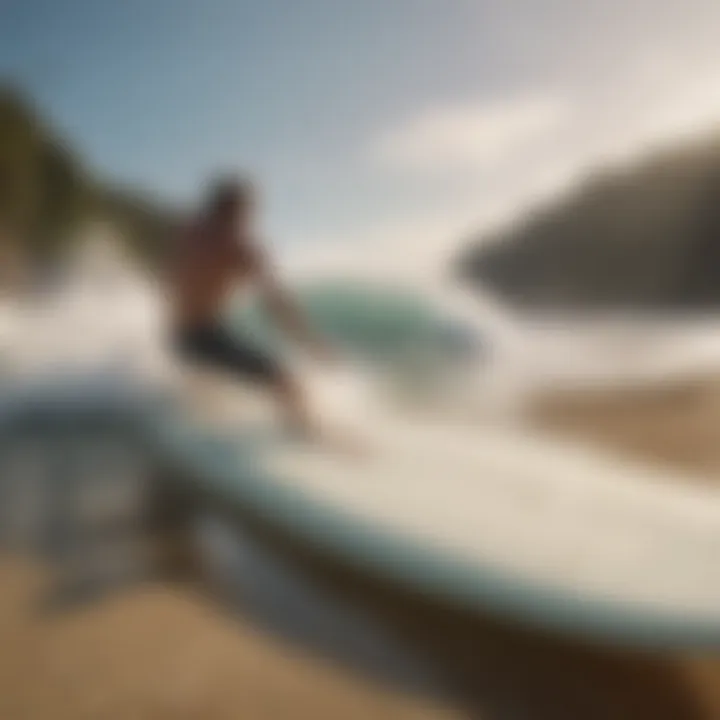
{"x":381,"y":325}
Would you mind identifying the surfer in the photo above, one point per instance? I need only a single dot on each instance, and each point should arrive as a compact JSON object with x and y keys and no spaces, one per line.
{"x":216,"y":253}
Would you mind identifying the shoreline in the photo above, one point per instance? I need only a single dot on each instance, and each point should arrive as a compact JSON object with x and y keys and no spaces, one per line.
{"x":673,"y":424}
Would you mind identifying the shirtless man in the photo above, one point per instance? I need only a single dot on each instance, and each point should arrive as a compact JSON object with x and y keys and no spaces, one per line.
{"x":217,"y":253}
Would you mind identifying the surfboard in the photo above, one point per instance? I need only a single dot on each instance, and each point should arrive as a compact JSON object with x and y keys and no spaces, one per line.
{"x":489,"y":517}
{"x":481,"y":516}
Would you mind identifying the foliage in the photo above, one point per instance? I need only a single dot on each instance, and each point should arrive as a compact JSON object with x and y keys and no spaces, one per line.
{"x":47,"y":193}
{"x":645,"y":236}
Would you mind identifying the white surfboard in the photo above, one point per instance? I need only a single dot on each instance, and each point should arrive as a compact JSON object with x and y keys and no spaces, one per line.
{"x":548,"y":533}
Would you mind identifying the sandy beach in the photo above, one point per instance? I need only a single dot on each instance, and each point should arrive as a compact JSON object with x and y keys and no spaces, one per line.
{"x":675,"y":425}
{"x":157,"y":654}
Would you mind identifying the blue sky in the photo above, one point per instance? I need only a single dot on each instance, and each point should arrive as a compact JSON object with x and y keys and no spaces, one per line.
{"x":367,"y":121}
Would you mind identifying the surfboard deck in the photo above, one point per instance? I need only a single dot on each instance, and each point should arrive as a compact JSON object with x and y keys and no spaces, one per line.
{"x":491,"y":518}
{"x":487,"y":517}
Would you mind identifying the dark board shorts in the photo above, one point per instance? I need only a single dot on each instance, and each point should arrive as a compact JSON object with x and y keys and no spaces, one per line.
{"x":213,"y":346}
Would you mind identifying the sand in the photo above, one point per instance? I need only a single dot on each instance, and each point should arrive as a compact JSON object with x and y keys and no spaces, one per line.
{"x":676,"y":425}
{"x":157,"y":654}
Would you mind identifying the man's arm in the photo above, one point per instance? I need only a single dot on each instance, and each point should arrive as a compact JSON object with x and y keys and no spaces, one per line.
{"x":285,"y":310}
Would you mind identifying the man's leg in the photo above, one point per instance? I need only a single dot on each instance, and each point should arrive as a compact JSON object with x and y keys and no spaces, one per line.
{"x":255,"y":365}
{"x":216,"y":347}
{"x":294,"y":404}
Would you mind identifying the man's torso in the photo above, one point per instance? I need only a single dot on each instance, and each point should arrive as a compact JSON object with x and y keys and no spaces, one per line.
{"x":208,"y":265}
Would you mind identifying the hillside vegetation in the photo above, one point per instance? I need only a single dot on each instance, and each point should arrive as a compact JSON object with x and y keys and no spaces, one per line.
{"x":644,"y":236}
{"x":47,"y":191}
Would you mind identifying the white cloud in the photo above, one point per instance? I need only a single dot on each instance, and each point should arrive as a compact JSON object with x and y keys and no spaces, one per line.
{"x":402,"y":249}
{"x":473,"y":136}
{"x":511,"y":155}
{"x":687,"y":105}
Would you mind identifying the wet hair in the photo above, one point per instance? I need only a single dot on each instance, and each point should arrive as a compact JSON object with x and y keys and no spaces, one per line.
{"x":229,"y":192}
